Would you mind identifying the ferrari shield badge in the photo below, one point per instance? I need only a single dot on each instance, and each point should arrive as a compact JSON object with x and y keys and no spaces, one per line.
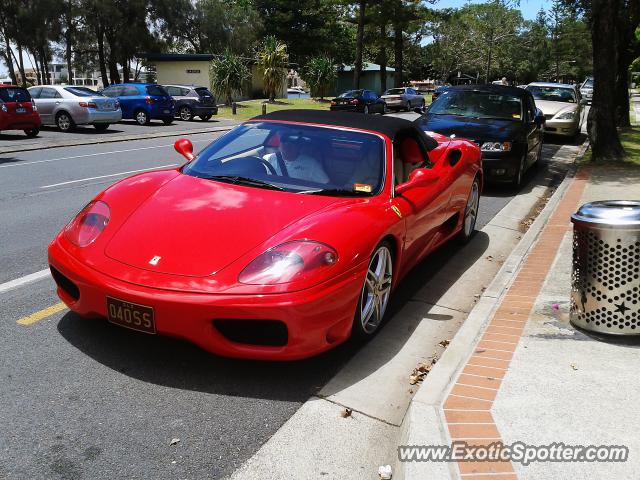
{"x":397,"y":210}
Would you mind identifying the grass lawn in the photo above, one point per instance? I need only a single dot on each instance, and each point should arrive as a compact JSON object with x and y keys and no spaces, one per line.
{"x":630,"y":138}
{"x":251,"y":108}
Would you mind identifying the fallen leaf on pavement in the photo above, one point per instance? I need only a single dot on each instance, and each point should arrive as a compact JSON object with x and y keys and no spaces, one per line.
{"x":574,"y":366}
{"x":346,"y":413}
{"x":444,"y":343}
{"x":174,"y":441}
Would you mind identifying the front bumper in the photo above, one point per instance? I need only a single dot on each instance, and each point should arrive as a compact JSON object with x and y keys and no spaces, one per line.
{"x":500,"y":167}
{"x":317,"y":319}
{"x":567,"y":128}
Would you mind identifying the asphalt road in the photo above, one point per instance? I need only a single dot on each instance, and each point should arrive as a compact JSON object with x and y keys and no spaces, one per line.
{"x":84,"y":399}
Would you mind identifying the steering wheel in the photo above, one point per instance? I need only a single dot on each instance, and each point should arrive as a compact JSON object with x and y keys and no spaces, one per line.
{"x":266,"y":164}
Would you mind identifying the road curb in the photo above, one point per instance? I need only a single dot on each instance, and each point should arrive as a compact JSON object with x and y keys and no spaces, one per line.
{"x":120,"y":138}
{"x":426,"y":405}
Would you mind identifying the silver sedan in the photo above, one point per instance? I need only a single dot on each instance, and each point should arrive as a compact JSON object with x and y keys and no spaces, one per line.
{"x":403,"y":98}
{"x":67,"y":106}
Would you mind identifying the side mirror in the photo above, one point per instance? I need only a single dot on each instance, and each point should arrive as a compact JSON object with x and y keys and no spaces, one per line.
{"x":539,"y":119}
{"x":185,"y":148}
{"x":420,"y":177}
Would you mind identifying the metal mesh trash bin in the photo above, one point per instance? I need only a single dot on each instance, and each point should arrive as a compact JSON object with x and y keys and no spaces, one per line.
{"x":605,"y":293}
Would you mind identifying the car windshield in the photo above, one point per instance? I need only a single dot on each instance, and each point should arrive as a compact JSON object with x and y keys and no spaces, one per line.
{"x":477,"y":104}
{"x":552,"y":93}
{"x":351,"y":94}
{"x":295,"y":158}
{"x":14,"y":95}
{"x":82,"y":92}
{"x":394,"y":91}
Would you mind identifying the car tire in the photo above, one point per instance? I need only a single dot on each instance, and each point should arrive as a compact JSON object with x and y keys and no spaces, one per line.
{"x":101,"y":127}
{"x":365,"y":110}
{"x":185,"y":113}
{"x":141,"y":117}
{"x":167,"y":121}
{"x":516,"y":182}
{"x":470,"y":213}
{"x":64,"y":122}
{"x":32,"y":132}
{"x":375,"y":294}
{"x":205,"y":118}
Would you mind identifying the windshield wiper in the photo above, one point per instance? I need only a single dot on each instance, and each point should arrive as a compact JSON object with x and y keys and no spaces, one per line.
{"x":334,"y":192}
{"x":240,"y":180}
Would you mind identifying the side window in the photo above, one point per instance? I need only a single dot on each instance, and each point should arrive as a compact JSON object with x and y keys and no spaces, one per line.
{"x":173,"y":91}
{"x":184,"y":92}
{"x":111,"y":91}
{"x":130,"y":91}
{"x":58,"y":94}
{"x":35,"y":92}
{"x":47,"y":93}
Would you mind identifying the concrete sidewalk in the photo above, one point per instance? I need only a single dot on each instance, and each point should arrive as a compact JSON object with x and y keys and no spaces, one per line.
{"x":529,"y":376}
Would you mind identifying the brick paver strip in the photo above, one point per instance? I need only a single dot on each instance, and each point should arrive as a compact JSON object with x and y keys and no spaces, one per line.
{"x":467,"y":408}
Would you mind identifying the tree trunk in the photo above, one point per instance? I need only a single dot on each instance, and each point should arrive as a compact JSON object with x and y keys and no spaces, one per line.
{"x":601,"y":123}
{"x":398,"y":44}
{"x":126,"y":70}
{"x":21,"y":65}
{"x":382,"y":57}
{"x":101,"y":59}
{"x":359,"y":43}
{"x":9,"y":60}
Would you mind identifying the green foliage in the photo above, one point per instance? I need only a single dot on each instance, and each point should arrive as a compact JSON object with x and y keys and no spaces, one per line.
{"x":272,"y":62}
{"x":319,"y":73}
{"x":228,"y":74}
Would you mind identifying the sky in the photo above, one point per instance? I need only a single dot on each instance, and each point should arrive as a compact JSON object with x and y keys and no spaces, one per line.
{"x":529,"y":8}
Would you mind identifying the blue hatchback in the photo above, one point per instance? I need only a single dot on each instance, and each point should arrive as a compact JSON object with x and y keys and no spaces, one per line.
{"x":143,"y":102}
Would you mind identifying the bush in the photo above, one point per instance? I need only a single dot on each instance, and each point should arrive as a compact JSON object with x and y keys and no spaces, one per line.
{"x":319,"y":73}
{"x":228,"y":73}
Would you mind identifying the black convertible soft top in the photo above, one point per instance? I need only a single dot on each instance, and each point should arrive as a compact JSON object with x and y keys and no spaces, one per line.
{"x":392,"y":127}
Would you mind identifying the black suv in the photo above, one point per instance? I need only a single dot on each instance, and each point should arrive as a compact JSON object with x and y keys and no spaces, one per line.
{"x":192,"y":101}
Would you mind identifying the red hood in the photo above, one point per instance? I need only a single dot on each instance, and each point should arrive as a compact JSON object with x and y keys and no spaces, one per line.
{"x":197,"y":226}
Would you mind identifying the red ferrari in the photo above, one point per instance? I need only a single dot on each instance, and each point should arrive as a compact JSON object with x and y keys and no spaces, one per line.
{"x":279,"y":240}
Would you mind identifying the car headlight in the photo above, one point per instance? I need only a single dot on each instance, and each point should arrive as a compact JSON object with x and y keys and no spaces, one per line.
{"x":496,"y":146}
{"x":88,"y":224}
{"x":566,"y":116}
{"x":292,"y":261}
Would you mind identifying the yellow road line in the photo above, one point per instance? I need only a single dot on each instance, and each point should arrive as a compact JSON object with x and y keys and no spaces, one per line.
{"x":44,"y":313}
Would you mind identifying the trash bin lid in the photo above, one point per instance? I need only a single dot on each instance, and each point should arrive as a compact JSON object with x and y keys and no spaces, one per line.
{"x":609,"y":214}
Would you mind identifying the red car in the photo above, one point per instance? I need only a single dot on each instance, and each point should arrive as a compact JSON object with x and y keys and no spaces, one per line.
{"x":279,"y":240}
{"x":17,"y":111}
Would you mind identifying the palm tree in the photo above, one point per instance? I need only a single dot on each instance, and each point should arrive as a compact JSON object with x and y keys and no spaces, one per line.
{"x":319,"y":73}
{"x":272,"y":61}
{"x":228,"y":73}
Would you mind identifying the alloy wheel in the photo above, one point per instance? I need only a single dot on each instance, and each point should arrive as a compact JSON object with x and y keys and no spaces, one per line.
{"x":377,"y":290}
{"x":141,"y":118}
{"x":185,"y":113}
{"x":64,"y":122}
{"x":471,"y":210}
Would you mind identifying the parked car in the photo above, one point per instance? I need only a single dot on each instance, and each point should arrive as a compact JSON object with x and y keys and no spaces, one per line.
{"x":17,"y":110}
{"x":143,"y":102}
{"x":68,"y":106}
{"x":364,"y":101}
{"x":325,"y":249}
{"x":438,"y":91}
{"x":191,"y":101}
{"x":296,"y":90}
{"x":403,"y":98}
{"x":503,"y":121}
{"x":561,"y":106}
{"x":586,"y":89}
